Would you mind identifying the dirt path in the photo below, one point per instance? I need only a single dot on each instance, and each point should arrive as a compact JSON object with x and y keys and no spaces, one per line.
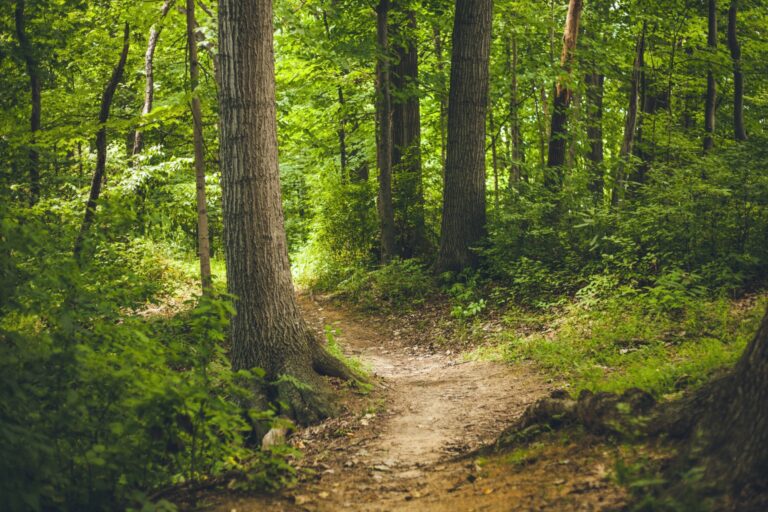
{"x":402,"y":450}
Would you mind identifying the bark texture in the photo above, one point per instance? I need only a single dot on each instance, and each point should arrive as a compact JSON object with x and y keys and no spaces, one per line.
{"x":149,"y":75}
{"x":739,"y":131}
{"x":203,"y":242}
{"x":384,"y":134}
{"x":463,"y":223}
{"x":268,"y":330}
{"x":559,"y":132}
{"x":101,"y":144}
{"x":406,"y":140}
{"x":35,"y":89}
{"x":595,"y":87}
{"x":710,"y":104}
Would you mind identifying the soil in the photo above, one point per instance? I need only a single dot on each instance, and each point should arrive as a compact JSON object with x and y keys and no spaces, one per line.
{"x":410,"y":444}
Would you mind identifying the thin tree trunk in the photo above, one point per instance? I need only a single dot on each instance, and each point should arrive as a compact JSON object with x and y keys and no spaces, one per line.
{"x":406,"y":142}
{"x":203,"y":243}
{"x":711,"y":101}
{"x":595,"y":86}
{"x":149,"y":84}
{"x":739,"y":131}
{"x":443,"y":100}
{"x":341,"y":131}
{"x":268,"y":331}
{"x":517,"y":158}
{"x":384,"y":142}
{"x":101,"y":145}
{"x":559,"y":132}
{"x":35,"y":89}
{"x":494,"y":160}
{"x":630,"y":123}
{"x":463,"y":223}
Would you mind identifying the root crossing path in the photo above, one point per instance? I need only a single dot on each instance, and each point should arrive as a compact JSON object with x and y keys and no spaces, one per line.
{"x":402,"y":448}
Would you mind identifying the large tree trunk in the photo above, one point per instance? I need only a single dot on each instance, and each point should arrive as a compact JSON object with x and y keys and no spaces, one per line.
{"x":35,"y":89}
{"x":559,"y":132}
{"x":739,"y":131}
{"x":710,"y":104}
{"x":384,"y":138}
{"x":268,"y":330}
{"x":149,"y":73}
{"x":101,"y":144}
{"x":630,"y":123}
{"x":203,"y":243}
{"x":463,"y":223}
{"x":406,"y":142}
{"x":595,"y":86}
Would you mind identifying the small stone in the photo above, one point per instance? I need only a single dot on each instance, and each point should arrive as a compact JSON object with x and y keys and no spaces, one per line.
{"x":301,"y":499}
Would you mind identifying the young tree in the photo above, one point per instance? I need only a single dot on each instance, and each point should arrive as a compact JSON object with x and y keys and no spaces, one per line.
{"x":384,"y":134}
{"x":268,"y":330}
{"x":710,"y":105}
{"x":463,"y":222}
{"x":203,"y":243}
{"x":563,"y":94}
{"x":595,"y":82}
{"x":35,"y":89}
{"x":739,"y":132}
{"x":149,"y":74}
{"x":101,"y":144}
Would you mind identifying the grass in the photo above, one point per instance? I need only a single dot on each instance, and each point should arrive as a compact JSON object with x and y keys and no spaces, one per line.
{"x":622,"y":343}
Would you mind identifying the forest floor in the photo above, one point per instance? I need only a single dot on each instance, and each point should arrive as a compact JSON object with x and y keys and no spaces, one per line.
{"x":410,"y":443}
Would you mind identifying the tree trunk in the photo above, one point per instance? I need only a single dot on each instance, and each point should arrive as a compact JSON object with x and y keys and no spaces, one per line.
{"x":341,"y":131}
{"x":739,"y":131}
{"x":595,"y":87}
{"x":406,"y":143}
{"x":517,"y":157}
{"x":630,"y":123}
{"x":203,"y":243}
{"x":711,"y":101}
{"x":443,"y":100}
{"x":149,"y":84}
{"x":559,"y":132}
{"x":384,"y":142}
{"x":463,"y":223}
{"x":101,"y":145}
{"x":494,"y":159}
{"x":35,"y":89}
{"x":268,"y":330}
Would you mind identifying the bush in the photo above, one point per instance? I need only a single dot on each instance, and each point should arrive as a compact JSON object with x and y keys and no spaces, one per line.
{"x":399,"y":284}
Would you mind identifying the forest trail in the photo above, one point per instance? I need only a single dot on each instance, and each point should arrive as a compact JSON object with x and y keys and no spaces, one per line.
{"x":402,"y":448}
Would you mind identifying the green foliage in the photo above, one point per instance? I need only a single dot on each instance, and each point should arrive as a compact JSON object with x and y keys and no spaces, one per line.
{"x":398,"y":285}
{"x":98,"y":399}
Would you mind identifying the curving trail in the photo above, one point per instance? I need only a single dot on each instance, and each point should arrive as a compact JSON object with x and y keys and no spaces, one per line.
{"x":403,"y":450}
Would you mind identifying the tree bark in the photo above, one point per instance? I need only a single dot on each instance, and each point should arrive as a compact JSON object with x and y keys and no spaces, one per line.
{"x":463,"y":223}
{"x":559,"y":132}
{"x":101,"y":144}
{"x":406,"y":142}
{"x":630,"y":122}
{"x":149,"y":84}
{"x":739,"y":131}
{"x":710,"y":105}
{"x":595,"y":87}
{"x":35,"y":89}
{"x":442,"y":97}
{"x":268,"y":330}
{"x":384,"y":142}
{"x":203,"y":243}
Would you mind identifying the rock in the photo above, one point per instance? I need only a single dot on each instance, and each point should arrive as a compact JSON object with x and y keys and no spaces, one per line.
{"x":274,"y":437}
{"x":301,"y":499}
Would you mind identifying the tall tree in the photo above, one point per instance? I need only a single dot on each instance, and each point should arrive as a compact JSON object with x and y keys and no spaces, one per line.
{"x":558,"y":134}
{"x":630,"y":121}
{"x":739,"y":131}
{"x":595,"y":82}
{"x":463,"y":223}
{"x":268,"y":330}
{"x":514,"y":137}
{"x":406,"y":136}
{"x":35,"y":89}
{"x":384,"y":134}
{"x":101,"y":144}
{"x":710,"y":104}
{"x":203,"y":243}
{"x":149,"y":74}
